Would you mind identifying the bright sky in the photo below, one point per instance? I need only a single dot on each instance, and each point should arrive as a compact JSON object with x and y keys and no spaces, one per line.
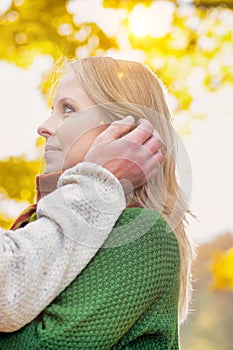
{"x":22,"y":107}
{"x":208,"y":146}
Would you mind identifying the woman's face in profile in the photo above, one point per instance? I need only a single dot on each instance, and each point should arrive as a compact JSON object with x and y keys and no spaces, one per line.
{"x":72,"y":127}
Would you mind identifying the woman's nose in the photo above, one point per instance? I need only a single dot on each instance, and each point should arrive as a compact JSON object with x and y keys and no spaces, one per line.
{"x":47,"y":128}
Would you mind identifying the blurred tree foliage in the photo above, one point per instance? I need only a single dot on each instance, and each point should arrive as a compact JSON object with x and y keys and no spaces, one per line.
{"x":131,"y":3}
{"x":22,"y":170}
{"x":17,"y":182}
{"x":197,"y":42}
{"x":212,"y":3}
{"x":210,"y":325}
{"x":31,"y":27}
{"x":223,"y":269}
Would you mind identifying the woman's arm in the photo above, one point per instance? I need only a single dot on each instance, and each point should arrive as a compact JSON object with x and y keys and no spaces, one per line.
{"x":40,"y":260}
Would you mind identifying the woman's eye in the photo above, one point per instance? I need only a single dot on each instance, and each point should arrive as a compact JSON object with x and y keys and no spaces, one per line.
{"x":68,"y":109}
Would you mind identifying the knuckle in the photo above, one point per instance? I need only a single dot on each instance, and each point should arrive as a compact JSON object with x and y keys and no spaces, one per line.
{"x":100,"y":137}
{"x":116,"y":125}
{"x":146,"y":125}
{"x":158,"y":141}
{"x":157,"y":136}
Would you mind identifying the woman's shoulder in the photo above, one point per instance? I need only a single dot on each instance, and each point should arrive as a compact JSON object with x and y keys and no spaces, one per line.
{"x":144,"y":249}
{"x":136,"y":225}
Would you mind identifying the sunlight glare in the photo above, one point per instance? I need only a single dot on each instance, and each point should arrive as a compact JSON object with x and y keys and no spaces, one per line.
{"x":138,"y":21}
{"x":4,"y":5}
{"x":154,"y":20}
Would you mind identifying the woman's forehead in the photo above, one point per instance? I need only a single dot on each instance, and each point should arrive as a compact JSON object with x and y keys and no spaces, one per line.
{"x":67,"y":81}
{"x":68,"y":86}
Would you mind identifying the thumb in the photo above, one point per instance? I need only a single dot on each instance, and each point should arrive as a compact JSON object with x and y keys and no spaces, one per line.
{"x":115,"y":130}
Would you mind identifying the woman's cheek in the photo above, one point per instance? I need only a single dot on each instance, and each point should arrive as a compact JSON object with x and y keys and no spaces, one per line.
{"x":77,"y":151}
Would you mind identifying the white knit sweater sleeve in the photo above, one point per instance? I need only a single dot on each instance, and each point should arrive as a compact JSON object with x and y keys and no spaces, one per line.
{"x":39,"y":261}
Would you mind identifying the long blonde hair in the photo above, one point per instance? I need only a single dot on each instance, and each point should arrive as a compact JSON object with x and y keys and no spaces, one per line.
{"x":123,"y":88}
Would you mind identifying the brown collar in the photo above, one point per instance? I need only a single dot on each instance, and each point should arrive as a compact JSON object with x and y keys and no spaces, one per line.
{"x":46,"y":183}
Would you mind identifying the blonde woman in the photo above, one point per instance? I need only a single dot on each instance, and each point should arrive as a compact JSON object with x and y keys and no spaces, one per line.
{"x":134,"y":293}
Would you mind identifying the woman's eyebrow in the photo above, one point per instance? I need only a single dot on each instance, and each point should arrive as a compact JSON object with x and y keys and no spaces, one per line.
{"x":65,"y":99}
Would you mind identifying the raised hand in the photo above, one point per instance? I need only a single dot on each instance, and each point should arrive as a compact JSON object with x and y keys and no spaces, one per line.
{"x":131,"y":153}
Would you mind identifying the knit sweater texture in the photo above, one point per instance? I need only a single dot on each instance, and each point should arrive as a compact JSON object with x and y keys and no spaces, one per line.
{"x":125,"y":298}
{"x":40,"y":259}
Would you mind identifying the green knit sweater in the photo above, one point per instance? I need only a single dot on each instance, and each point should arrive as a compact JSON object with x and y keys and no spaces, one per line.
{"x":125,"y":298}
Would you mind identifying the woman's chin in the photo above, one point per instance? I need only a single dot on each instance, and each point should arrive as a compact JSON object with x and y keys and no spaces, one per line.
{"x":52,"y":168}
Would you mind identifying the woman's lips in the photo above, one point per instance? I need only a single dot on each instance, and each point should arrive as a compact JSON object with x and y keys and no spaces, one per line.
{"x":49,"y":149}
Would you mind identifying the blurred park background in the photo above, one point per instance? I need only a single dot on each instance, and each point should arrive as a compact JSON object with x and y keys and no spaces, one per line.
{"x":189,"y":45}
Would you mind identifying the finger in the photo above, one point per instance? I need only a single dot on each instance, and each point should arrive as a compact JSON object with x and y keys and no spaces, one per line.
{"x":154,"y":161}
{"x":153,"y":143}
{"x":157,"y":157}
{"x":115,"y":130}
{"x":141,"y":133}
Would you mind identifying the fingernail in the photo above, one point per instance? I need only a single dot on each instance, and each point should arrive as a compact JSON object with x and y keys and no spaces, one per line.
{"x":129,"y":119}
